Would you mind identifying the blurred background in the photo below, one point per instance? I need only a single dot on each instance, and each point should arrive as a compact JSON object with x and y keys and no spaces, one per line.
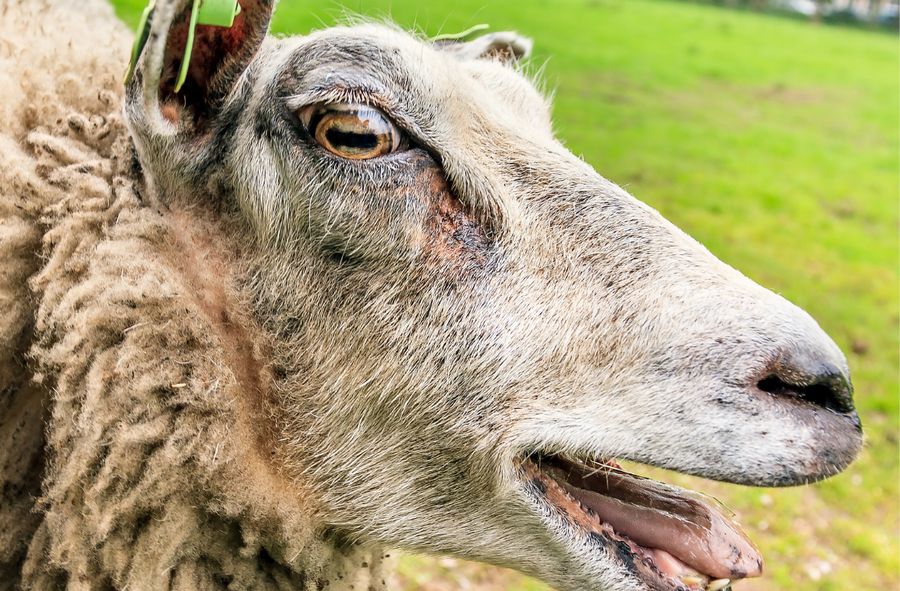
{"x":768,"y":130}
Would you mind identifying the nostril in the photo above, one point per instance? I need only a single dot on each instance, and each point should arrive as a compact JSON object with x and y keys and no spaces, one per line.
{"x":831,"y":390}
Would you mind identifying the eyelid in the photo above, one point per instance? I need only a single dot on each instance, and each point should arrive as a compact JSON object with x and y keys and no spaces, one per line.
{"x":308,"y":112}
{"x":341,"y":95}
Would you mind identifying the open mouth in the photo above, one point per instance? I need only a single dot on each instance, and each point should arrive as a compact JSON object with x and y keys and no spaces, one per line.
{"x":672,"y":539}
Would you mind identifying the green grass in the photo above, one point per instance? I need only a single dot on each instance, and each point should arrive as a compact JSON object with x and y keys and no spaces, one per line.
{"x":775,"y":143}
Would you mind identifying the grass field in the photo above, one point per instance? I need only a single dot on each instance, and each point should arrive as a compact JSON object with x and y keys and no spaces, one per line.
{"x":775,"y":143}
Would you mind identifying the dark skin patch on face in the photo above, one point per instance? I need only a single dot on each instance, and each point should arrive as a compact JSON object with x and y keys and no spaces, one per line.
{"x":453,"y":235}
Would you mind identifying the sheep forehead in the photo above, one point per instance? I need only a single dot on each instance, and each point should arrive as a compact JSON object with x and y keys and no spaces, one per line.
{"x":424,"y":79}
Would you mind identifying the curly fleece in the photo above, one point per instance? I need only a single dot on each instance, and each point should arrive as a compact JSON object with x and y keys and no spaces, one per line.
{"x":127,"y":457}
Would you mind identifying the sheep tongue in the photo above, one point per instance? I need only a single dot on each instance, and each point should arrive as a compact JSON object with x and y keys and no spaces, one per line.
{"x":666,"y":518}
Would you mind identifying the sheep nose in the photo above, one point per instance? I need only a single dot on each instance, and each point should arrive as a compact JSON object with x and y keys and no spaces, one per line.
{"x":818,"y":382}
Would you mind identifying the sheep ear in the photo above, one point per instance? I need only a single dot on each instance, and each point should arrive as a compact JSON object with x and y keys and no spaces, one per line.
{"x":505,"y":46}
{"x":218,"y":56}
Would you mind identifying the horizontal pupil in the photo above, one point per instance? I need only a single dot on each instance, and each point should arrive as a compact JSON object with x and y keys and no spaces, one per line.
{"x":354,"y":141}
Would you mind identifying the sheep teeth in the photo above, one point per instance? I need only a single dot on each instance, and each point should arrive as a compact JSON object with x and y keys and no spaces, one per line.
{"x":692,"y":581}
{"x":719,"y":585}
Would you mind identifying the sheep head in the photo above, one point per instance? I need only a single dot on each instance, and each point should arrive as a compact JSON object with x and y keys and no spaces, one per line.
{"x":468,"y":321}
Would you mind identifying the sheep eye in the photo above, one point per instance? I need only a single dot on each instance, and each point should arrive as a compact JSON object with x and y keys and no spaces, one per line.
{"x":353,"y":131}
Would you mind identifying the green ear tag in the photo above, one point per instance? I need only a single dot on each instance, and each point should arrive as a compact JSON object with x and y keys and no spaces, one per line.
{"x":218,"y":13}
{"x":140,"y":39}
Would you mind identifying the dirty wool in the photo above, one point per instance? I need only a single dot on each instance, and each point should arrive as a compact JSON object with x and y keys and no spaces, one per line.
{"x":123,"y":450}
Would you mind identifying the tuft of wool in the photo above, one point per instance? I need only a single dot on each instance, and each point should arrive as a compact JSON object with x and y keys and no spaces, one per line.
{"x":43,"y":83}
{"x":132,"y":454}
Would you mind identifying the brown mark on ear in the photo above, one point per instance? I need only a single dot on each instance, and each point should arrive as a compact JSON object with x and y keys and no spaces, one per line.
{"x":503,"y":46}
{"x":219,"y":57}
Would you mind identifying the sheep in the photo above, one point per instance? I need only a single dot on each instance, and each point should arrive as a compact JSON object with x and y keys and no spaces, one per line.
{"x":343,"y":293}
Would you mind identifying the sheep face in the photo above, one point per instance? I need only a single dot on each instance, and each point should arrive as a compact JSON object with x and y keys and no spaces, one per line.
{"x":469,"y":322}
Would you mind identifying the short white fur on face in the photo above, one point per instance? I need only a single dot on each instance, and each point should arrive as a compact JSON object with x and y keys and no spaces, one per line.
{"x":434,"y":316}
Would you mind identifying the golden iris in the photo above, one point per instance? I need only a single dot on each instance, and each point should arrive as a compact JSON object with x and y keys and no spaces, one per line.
{"x":353,"y":131}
